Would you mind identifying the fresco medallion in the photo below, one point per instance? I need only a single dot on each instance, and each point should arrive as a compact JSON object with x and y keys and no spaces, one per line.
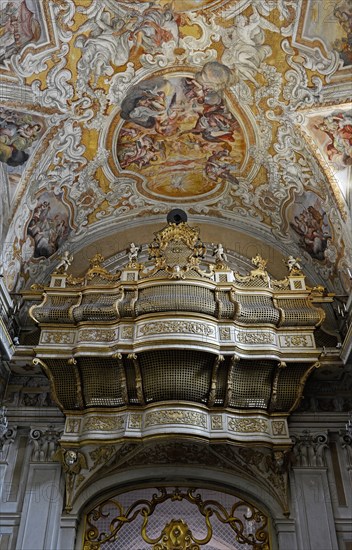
{"x":181,"y":134}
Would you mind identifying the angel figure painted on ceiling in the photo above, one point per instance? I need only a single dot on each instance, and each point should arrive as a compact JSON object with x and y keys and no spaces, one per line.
{"x":338,"y":127}
{"x":218,"y":167}
{"x":310,"y":223}
{"x":112,"y":36}
{"x":18,"y":132}
{"x":109,"y":43}
{"x":244,"y":43}
{"x":19,"y":25}
{"x":182,"y":129}
{"x":49,"y":225}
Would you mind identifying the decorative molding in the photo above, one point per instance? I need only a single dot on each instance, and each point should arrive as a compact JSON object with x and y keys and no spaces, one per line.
{"x":309,"y":449}
{"x":216,"y":422}
{"x":73,"y":425}
{"x":5,"y":441}
{"x":100,"y":335}
{"x":346,"y":444}
{"x":57,"y":337}
{"x":135,"y":421}
{"x":225,"y":333}
{"x":159,"y":418}
{"x":279,"y":427}
{"x":104,"y":423}
{"x":297,"y":340}
{"x":177,"y":327}
{"x":127,"y":333}
{"x":255,"y":338}
{"x":247,"y":425}
{"x":44,"y":443}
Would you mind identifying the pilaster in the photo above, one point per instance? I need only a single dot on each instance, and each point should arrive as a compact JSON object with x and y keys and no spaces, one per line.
{"x":312,"y":498}
{"x":43,"y":501}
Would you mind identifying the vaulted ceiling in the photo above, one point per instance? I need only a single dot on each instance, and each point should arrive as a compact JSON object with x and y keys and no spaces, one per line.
{"x":113,"y":112}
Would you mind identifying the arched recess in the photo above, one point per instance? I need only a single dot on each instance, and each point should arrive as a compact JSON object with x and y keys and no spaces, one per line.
{"x":184,"y":477}
{"x":175,"y":517}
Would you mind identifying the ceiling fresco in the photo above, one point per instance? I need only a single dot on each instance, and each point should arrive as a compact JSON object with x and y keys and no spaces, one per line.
{"x":114,"y":112}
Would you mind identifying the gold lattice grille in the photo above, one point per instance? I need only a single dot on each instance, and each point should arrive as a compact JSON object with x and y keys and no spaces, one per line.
{"x":176,"y":375}
{"x":56,"y":309}
{"x":101,"y":382}
{"x":176,"y":253}
{"x":256,"y":309}
{"x":253,"y":282}
{"x":65,"y":380}
{"x":176,"y":297}
{"x":96,"y":307}
{"x":288,"y":385}
{"x":251,"y":384}
{"x":298,"y":312}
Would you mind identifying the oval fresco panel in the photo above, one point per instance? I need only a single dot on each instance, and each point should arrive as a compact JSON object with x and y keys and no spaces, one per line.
{"x":180,"y":134}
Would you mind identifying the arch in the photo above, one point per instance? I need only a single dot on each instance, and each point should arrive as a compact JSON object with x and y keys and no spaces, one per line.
{"x":186,"y":476}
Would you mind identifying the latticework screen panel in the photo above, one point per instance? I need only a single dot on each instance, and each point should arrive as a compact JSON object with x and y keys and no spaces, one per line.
{"x":180,"y":297}
{"x":288,"y":385}
{"x":298,"y":312}
{"x":101,"y":381}
{"x":176,"y":375}
{"x":255,"y":282}
{"x":227,"y":308}
{"x":251,"y":384}
{"x":65,"y":382}
{"x":56,"y":309}
{"x":322,"y":339}
{"x":97,"y":307}
{"x":257,"y":309}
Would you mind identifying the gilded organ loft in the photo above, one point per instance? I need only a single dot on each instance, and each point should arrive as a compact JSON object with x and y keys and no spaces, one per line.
{"x":176,"y":345}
